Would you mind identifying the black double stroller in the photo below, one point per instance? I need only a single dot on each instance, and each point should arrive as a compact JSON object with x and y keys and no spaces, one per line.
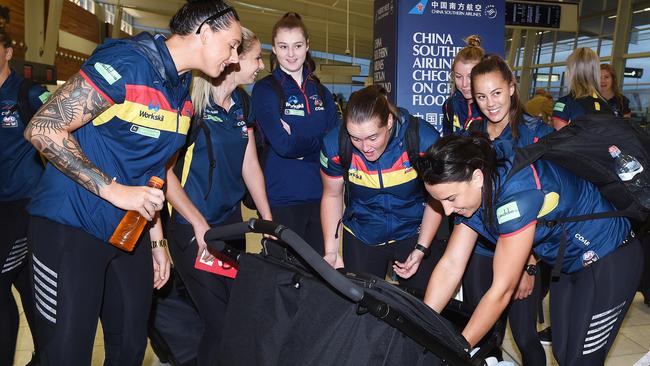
{"x":289,"y":307}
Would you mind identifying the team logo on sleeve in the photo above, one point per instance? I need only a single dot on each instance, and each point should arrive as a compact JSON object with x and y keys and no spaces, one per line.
{"x":508,"y":212}
{"x":9,"y":119}
{"x":589,"y":257}
{"x":559,"y":106}
{"x":318,"y":103}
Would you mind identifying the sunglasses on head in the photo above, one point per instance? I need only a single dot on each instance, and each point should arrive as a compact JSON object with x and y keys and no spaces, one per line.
{"x":216,"y":15}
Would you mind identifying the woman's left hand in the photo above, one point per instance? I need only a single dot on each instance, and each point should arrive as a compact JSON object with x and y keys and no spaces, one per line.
{"x":161,"y":266}
{"x":408,"y":268}
{"x":526,"y":284}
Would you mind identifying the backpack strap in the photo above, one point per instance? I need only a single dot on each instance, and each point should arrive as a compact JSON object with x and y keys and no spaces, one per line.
{"x":245,"y":101}
{"x":412,"y":138}
{"x":345,"y":151}
{"x":559,"y":260}
{"x":448,"y":125}
{"x":279,"y":92}
{"x":212,"y":162}
{"x":198,"y":126}
{"x":24,"y":106}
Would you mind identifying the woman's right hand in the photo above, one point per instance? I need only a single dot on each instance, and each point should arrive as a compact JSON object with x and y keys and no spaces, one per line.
{"x":146,"y":200}
{"x":333,"y":259}
{"x":202,"y":247}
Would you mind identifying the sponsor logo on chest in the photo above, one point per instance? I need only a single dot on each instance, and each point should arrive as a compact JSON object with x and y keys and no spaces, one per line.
{"x":152,"y":116}
{"x":293,"y":107}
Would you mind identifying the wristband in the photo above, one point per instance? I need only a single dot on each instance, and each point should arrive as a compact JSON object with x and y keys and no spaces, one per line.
{"x":423,"y":249}
{"x":162,"y":243}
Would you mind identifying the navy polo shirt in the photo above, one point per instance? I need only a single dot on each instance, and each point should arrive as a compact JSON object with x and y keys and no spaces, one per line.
{"x":20,"y":163}
{"x":545,"y":190}
{"x":229,"y":138}
{"x":386,"y":199}
{"x":132,"y":140}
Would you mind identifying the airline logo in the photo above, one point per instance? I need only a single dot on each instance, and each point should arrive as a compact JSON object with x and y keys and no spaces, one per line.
{"x":418,"y":9}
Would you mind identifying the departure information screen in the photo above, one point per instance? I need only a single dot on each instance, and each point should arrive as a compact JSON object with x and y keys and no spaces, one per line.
{"x":533,"y":15}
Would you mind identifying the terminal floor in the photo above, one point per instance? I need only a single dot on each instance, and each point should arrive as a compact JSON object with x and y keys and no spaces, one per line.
{"x":631,"y":345}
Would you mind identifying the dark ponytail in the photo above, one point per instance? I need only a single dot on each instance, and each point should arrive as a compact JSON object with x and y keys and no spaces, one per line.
{"x":368,"y":103}
{"x":200,"y":13}
{"x":455,"y":158}
{"x":291,"y":20}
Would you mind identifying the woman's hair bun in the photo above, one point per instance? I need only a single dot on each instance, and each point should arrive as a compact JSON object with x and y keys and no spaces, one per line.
{"x":473,"y":40}
{"x":292,"y":14}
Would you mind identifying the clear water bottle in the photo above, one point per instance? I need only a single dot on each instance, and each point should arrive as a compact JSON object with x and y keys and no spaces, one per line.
{"x":629,"y":169}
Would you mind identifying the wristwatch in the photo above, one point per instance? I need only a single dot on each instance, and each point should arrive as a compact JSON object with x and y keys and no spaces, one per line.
{"x":423,"y":249}
{"x":531,"y":269}
{"x":162,"y":243}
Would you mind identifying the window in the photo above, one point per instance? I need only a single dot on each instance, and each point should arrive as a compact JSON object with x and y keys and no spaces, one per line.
{"x":127,"y":19}
{"x":89,"y":5}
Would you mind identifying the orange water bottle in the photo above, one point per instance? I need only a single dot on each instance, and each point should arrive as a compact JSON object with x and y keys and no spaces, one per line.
{"x":128,"y":231}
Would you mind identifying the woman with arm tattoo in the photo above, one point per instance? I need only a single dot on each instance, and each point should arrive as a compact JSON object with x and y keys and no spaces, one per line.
{"x":111,"y":127}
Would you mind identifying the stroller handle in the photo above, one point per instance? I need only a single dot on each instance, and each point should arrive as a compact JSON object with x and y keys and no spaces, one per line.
{"x":226,"y":231}
{"x":304,"y":251}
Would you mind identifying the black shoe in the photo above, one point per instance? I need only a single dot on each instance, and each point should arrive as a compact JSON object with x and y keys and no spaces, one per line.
{"x":545,"y":336}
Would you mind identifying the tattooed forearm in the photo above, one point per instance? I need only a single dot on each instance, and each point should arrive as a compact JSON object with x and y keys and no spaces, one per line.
{"x":69,"y":159}
{"x":70,"y":107}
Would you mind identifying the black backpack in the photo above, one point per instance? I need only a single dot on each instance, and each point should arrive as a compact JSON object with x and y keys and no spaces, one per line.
{"x":198,"y":126}
{"x":589,"y":106}
{"x":582,"y":148}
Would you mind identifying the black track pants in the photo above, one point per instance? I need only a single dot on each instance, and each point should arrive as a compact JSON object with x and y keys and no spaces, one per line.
{"x":14,"y":270}
{"x":361,"y":258}
{"x":77,"y":279}
{"x":209,"y":292}
{"x":304,"y":220}
{"x":588,"y":307}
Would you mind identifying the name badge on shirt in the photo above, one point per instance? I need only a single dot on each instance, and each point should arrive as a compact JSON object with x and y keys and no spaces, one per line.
{"x":145,"y":131}
{"x":508,"y":212}
{"x":294,"y":112}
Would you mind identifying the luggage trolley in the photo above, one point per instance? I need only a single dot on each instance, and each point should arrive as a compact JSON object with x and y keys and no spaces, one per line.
{"x":292,"y":308}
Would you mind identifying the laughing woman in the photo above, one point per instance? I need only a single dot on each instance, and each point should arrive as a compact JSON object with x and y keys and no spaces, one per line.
{"x":214,"y":172}
{"x":597,"y":283}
